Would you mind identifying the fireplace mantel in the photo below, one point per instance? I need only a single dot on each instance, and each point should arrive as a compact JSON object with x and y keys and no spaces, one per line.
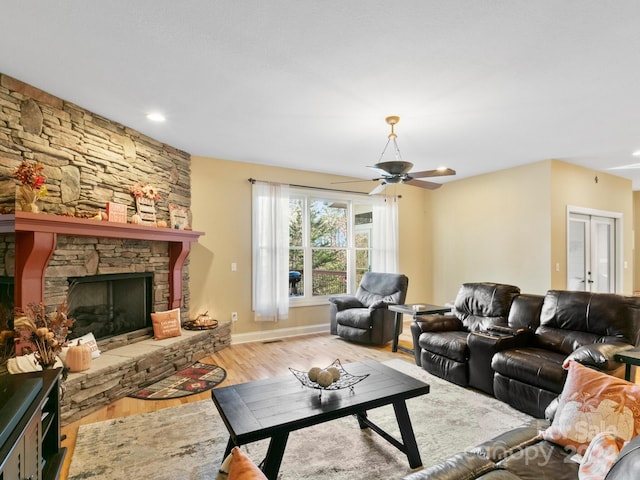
{"x":36,"y":241}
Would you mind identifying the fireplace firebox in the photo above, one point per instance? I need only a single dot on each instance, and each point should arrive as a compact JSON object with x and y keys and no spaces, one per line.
{"x":111,"y":304}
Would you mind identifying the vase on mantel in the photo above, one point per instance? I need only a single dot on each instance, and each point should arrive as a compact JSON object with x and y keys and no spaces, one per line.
{"x":28,"y":199}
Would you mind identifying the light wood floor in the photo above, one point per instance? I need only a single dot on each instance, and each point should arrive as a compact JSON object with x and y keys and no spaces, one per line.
{"x":247,"y":362}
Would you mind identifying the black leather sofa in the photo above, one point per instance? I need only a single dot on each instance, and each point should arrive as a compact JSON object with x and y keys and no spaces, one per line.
{"x":520,"y":454}
{"x":517,"y":349}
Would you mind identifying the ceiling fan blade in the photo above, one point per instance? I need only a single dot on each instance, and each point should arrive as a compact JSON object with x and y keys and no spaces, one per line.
{"x":440,"y":172}
{"x":378,"y":189}
{"x":422,"y":184}
{"x":357,"y":181}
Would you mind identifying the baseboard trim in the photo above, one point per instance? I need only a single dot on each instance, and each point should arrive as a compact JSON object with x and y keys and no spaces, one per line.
{"x":270,"y":335}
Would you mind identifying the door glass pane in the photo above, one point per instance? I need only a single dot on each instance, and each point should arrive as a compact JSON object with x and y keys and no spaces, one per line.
{"x":601,"y":269}
{"x":576,"y":269}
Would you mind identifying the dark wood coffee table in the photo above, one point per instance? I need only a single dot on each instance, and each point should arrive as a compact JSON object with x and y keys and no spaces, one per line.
{"x":273,"y":408}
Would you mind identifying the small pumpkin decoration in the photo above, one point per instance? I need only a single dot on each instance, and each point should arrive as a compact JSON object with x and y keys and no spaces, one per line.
{"x":79,"y":357}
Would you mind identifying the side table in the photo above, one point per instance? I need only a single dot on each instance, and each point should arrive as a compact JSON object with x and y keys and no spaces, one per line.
{"x":629,"y":358}
{"x":415,"y":310}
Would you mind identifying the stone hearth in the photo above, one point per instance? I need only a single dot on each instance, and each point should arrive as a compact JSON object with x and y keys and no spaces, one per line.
{"x":121,"y":370}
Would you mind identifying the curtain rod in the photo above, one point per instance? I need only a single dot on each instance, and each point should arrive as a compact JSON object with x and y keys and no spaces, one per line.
{"x":253,"y":180}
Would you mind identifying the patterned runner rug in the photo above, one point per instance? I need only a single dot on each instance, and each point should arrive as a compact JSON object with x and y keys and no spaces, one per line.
{"x":188,"y":442}
{"x":197,"y":378}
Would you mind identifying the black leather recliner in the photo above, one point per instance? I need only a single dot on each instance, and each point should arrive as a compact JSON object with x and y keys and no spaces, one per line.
{"x":441,"y":341}
{"x":365,"y":317}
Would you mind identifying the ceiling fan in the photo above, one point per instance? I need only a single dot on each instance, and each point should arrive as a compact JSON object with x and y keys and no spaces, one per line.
{"x":398,"y":171}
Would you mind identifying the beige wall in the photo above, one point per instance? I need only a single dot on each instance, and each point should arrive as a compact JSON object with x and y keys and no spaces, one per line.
{"x":510,"y":226}
{"x":221,"y":207}
{"x":576,"y":186}
{"x":493,"y":228}
{"x":507,"y":226}
{"x":636,"y":231}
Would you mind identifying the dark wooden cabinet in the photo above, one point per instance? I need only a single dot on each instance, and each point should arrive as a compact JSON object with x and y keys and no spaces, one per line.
{"x":30,"y":419}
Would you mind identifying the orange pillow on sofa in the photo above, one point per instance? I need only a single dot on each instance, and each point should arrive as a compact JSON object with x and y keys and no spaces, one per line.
{"x":593,"y":402}
{"x":242,"y":468}
{"x":166,"y":324}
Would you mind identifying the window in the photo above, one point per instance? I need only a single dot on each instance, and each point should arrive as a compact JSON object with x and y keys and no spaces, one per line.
{"x":329,"y":243}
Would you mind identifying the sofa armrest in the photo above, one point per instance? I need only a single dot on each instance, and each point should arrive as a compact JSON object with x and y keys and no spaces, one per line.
{"x":598,"y":355}
{"x":511,"y":441}
{"x":439,"y":323}
{"x":463,"y":465}
{"x":344,"y":302}
{"x":378,"y":304}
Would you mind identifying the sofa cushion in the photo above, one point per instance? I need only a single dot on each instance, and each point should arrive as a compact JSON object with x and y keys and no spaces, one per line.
{"x":390,"y":288}
{"x":593,"y":402}
{"x":451,"y":345}
{"x":534,"y":366}
{"x":563,"y":341}
{"x":355,"y":317}
{"x":602,"y":314}
{"x":479,"y":305}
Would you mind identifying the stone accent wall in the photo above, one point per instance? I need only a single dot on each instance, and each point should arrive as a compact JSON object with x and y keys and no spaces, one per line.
{"x":89,"y":160}
{"x":122,"y":371}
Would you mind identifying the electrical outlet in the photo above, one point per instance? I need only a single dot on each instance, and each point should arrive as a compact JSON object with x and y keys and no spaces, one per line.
{"x":234,"y":316}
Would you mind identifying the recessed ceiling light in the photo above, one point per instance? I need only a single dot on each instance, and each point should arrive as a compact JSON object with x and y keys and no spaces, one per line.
{"x":156,"y":117}
{"x":636,"y":153}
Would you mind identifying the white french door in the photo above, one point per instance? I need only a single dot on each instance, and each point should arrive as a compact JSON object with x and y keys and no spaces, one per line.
{"x":592,"y":253}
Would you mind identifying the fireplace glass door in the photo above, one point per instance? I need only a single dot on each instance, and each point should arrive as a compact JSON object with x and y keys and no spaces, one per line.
{"x":108,"y":305}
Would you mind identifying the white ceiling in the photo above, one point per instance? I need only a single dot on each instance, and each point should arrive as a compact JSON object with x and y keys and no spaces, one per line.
{"x":480,"y":85}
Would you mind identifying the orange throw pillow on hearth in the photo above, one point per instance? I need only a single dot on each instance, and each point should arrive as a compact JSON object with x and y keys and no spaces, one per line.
{"x":166,"y":324}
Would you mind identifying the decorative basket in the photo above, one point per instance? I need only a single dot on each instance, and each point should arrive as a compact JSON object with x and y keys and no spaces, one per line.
{"x":346,"y":380}
{"x":202,"y":322}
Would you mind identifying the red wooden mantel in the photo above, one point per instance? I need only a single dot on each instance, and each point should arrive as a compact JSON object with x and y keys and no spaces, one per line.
{"x":36,"y":241}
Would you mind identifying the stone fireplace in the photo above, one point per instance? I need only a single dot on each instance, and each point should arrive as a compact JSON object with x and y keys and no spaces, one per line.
{"x":89,"y":161}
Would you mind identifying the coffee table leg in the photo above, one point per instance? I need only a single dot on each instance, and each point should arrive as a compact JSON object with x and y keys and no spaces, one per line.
{"x":408,"y":437}
{"x":274,"y":455}
{"x":230,"y":446}
{"x":360,"y":416}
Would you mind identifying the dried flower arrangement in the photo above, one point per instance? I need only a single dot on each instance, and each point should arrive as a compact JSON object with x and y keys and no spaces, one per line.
{"x":143,"y":190}
{"x":30,"y":175}
{"x":44,"y":333}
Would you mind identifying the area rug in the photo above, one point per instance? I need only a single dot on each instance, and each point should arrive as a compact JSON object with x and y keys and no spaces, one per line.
{"x":188,"y":441}
{"x":197,"y":378}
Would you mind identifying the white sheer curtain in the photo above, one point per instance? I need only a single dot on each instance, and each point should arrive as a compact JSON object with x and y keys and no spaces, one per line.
{"x":384,"y":241}
{"x":270,"y":251}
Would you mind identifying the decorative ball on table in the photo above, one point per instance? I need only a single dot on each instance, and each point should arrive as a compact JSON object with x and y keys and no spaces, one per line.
{"x":313,"y":373}
{"x":335,"y":373}
{"x":324,"y":378}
